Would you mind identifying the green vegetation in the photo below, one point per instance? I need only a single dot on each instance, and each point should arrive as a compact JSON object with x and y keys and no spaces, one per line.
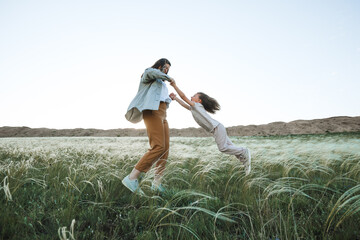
{"x":301,"y":187}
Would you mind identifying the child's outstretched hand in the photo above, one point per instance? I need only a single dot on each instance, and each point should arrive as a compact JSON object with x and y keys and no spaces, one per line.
{"x":172,"y":96}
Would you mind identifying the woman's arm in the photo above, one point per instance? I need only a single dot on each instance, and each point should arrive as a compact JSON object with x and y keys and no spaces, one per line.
{"x":151,"y":74}
{"x":181,"y":94}
{"x":173,"y":97}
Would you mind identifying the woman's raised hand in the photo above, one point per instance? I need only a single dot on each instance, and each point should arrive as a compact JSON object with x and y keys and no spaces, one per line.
{"x":172,"y":82}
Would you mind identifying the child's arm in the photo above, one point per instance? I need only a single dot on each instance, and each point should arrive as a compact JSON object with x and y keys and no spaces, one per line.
{"x":173,"y":97}
{"x":181,"y":94}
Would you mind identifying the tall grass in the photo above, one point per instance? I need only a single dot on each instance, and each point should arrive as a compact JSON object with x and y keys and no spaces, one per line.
{"x":300,"y":187}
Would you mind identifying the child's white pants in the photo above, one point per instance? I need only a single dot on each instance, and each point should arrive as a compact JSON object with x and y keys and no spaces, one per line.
{"x":224,"y":143}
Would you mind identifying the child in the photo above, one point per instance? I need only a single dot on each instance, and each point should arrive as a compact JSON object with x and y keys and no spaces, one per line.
{"x":199,"y":105}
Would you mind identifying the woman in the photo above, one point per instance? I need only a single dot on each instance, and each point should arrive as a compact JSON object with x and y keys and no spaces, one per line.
{"x":150,"y":104}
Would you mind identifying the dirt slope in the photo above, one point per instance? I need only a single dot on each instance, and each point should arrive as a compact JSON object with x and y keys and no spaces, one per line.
{"x":316,"y":126}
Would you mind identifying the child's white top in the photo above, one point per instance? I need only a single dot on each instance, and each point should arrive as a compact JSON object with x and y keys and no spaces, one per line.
{"x":203,"y":118}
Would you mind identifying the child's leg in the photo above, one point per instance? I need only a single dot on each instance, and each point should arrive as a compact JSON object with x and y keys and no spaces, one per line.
{"x":224,"y":143}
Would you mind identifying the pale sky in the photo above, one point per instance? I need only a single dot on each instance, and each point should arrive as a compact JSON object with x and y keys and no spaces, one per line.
{"x":77,"y":64}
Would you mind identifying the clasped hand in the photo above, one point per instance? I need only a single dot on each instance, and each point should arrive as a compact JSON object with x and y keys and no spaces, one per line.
{"x":172,"y":82}
{"x":172,"y":96}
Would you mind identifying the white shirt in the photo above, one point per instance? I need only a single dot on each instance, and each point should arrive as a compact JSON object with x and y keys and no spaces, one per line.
{"x":203,"y":118}
{"x":164,"y":95}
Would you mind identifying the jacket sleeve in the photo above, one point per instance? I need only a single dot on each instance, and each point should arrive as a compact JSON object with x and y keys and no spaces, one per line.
{"x":151,"y":74}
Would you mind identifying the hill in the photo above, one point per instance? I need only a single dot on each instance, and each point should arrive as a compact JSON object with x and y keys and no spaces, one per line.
{"x":316,"y":126}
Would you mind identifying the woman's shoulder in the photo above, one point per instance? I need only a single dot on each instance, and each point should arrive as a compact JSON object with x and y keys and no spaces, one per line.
{"x":150,"y":69}
{"x":148,"y":73}
{"x":151,"y":72}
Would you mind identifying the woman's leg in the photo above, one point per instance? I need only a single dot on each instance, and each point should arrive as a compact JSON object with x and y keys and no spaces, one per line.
{"x":134,"y":174}
{"x":160,"y":164}
{"x":154,"y":122}
{"x":158,"y":132}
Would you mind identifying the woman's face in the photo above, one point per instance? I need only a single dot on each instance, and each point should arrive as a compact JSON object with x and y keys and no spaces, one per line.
{"x":165,"y":68}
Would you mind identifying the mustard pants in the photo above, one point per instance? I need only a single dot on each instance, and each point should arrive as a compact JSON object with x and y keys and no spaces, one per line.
{"x":157,"y":129}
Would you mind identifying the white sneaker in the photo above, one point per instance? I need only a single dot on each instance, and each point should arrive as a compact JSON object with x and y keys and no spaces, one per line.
{"x":132,"y":185}
{"x":248,"y":161}
{"x":159,"y":188}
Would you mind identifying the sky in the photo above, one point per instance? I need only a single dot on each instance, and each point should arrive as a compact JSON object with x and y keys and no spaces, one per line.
{"x":77,"y":64}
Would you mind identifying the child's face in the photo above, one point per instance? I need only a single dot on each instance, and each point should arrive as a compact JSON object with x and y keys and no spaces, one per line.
{"x":196,"y":98}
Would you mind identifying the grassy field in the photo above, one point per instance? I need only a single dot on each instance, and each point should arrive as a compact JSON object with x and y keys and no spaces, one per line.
{"x":301,"y":187}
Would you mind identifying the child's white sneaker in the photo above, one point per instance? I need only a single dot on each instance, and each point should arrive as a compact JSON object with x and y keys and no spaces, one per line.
{"x":248,"y":161}
{"x":132,"y":185}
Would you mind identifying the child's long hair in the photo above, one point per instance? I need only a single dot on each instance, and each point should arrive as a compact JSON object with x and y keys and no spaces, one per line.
{"x":209,"y":103}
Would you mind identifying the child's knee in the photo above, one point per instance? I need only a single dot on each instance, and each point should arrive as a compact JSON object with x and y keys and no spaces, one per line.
{"x":222,"y":148}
